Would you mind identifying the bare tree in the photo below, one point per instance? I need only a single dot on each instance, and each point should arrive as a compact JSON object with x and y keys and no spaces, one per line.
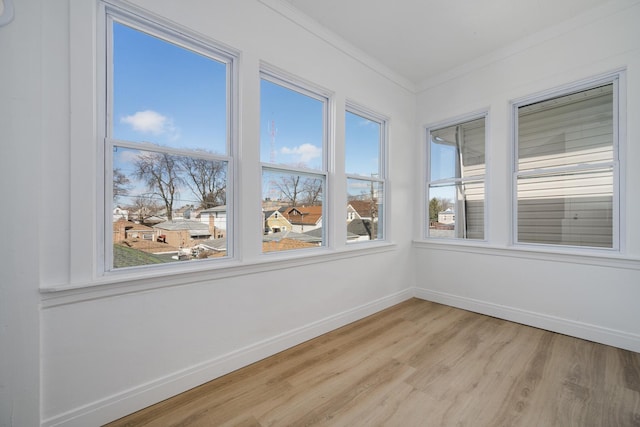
{"x":373,"y":201}
{"x":436,"y":205}
{"x":121,"y":184}
{"x":145,"y":205}
{"x":291,"y":188}
{"x":207,"y":180}
{"x":161,"y":172}
{"x":312,"y":191}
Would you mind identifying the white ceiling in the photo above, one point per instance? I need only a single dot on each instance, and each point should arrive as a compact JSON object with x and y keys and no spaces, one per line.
{"x":420,"y":39}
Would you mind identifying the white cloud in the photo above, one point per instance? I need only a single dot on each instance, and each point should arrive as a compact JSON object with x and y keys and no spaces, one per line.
{"x":126,"y":156}
{"x":305,"y":152}
{"x":151,"y":122}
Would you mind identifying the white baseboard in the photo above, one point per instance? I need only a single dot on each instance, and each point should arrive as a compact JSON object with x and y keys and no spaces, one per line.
{"x":573,"y":328}
{"x":121,"y":404}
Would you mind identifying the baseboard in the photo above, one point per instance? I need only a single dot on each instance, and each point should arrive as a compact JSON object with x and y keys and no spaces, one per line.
{"x":573,"y":328}
{"x":121,"y":404}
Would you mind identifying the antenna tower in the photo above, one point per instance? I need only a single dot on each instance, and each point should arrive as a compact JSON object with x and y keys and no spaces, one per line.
{"x":272,"y":133}
{"x":273,"y":193}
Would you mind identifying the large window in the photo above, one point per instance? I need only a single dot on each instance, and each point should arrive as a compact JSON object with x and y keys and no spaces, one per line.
{"x":294,"y":121}
{"x":456,"y":180}
{"x":566,"y":168}
{"x":365,"y":142}
{"x":167,"y":145}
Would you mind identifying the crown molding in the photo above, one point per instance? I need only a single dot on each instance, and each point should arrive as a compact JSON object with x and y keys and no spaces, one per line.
{"x":288,"y":11}
{"x":585,"y":18}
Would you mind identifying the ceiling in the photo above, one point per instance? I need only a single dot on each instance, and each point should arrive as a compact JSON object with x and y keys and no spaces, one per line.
{"x":420,"y":39}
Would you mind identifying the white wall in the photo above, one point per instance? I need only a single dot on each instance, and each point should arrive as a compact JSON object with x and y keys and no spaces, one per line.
{"x":90,"y":355}
{"x":590,"y":297}
{"x":21,"y":137}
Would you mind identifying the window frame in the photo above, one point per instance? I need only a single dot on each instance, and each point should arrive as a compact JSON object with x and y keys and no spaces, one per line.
{"x":618,"y":81}
{"x":476,"y":115}
{"x":383,"y":165}
{"x":110,"y":11}
{"x":288,"y":81}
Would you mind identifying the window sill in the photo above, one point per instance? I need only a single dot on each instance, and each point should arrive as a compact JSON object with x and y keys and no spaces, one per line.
{"x":593,"y":257}
{"x":119,"y":283}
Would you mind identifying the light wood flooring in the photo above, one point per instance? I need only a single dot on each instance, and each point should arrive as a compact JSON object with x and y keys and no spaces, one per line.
{"x":420,"y":364}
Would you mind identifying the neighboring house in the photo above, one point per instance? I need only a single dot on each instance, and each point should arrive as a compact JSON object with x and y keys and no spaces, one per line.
{"x":210,"y":248}
{"x":276,"y":222}
{"x":304,"y":218}
{"x":182,"y":233}
{"x":120,"y":213}
{"x":185,"y":212}
{"x":361,"y":229}
{"x":140,"y":215}
{"x":130,"y":238}
{"x":286,"y":240}
{"x":366,"y":209}
{"x":273,"y":205}
{"x":153,"y":220}
{"x":124,"y":230}
{"x":120,"y":230}
{"x":352,"y":213}
{"x":447,"y":216}
{"x":216,"y":219}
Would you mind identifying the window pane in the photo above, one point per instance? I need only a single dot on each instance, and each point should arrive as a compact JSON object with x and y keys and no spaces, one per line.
{"x":167,"y":95}
{"x":167,"y":208}
{"x":364,"y":210}
{"x":457,"y":151}
{"x":574,"y":209}
{"x":575,"y":129}
{"x":292,"y":131}
{"x":292,"y":210}
{"x":457,"y":210}
{"x":362,"y":146}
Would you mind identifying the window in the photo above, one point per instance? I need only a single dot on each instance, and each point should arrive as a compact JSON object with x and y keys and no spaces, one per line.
{"x":456,"y":180}
{"x":365,"y":145}
{"x":566,"y":168}
{"x":167,"y":144}
{"x":294,"y":163}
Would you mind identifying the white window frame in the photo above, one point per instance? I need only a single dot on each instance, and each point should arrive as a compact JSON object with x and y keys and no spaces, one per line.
{"x":618,"y":80}
{"x":481,"y":114}
{"x":383,"y":121}
{"x":114,"y":10}
{"x":282,"y":78}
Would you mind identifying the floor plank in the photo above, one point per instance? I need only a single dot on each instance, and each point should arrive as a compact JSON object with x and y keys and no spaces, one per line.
{"x":415,"y":364}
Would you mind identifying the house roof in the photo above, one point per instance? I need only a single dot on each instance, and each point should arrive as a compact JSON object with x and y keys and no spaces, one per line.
{"x":363,"y":207}
{"x":285,"y":245}
{"x":124,"y":256}
{"x":154,"y":219}
{"x":195,"y":228}
{"x":214,"y":244}
{"x":268,"y":244}
{"x":361,"y":227}
{"x":302,"y":237}
{"x":221,"y":208}
{"x":317,"y":232}
{"x":148,"y":246}
{"x":303,"y":215}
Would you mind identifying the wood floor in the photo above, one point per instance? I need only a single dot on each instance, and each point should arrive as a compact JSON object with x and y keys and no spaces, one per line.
{"x":420,"y":364}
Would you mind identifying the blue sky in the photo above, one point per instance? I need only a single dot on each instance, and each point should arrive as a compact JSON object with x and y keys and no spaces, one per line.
{"x":362,"y":145}
{"x":166,"y":94}
{"x":170,"y":96}
{"x":297,"y":122}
